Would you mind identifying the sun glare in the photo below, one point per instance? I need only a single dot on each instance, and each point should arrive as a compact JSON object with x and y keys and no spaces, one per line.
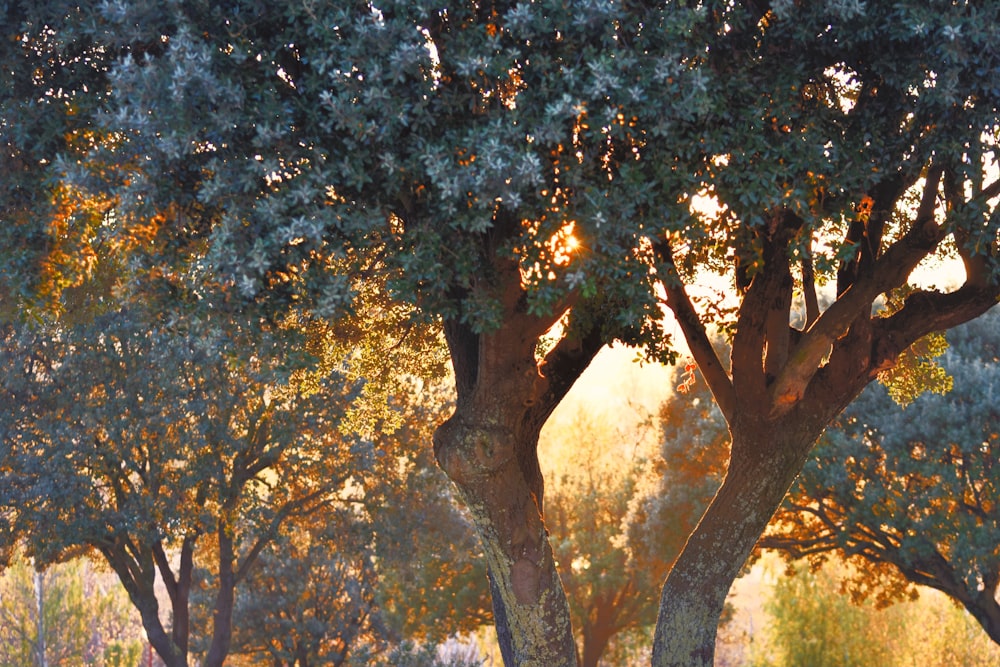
{"x":564,"y":244}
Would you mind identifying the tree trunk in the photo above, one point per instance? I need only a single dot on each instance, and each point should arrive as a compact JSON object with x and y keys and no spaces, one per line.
{"x":225,"y":599}
{"x":984,"y":608}
{"x":40,"y":629}
{"x":764,"y":462}
{"x":595,"y":643}
{"x":158,"y":638}
{"x":481,"y":459}
{"x":489,"y":450}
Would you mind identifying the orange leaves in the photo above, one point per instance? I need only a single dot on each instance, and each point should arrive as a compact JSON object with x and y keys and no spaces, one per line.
{"x":689,"y":378}
{"x":70,"y":255}
{"x":864,"y":209}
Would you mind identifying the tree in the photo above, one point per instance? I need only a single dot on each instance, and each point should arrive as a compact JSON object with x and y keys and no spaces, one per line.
{"x":171,"y":440}
{"x":352,"y":584}
{"x":522,"y":163}
{"x":815,"y":626}
{"x":620,"y":521}
{"x":608,"y":595}
{"x":64,"y":616}
{"x":812,"y":621}
{"x":137,"y":437}
{"x":432,"y":578}
{"x":909,"y":494}
{"x":311,"y":600}
{"x":694,"y":449}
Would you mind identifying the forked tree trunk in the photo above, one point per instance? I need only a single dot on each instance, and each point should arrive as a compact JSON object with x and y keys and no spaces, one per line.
{"x":481,"y":458}
{"x":489,"y":450}
{"x":766,"y":458}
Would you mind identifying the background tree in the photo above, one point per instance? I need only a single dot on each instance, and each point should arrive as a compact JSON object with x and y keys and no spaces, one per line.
{"x":585,"y":513}
{"x":352,"y":582}
{"x":620,"y":520}
{"x":143,"y":435}
{"x":138,"y":438}
{"x":910,"y":494}
{"x":524,"y":162}
{"x":311,"y":600}
{"x":65,"y":615}
{"x":812,"y":620}
{"x":693,"y":453}
{"x":432,"y":577}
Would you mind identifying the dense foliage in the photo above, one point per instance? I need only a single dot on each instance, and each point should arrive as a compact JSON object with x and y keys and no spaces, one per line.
{"x":509,"y":164}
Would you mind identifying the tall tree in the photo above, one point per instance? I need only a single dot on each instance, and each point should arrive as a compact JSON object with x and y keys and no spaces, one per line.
{"x":351,"y":582}
{"x":910,"y":494}
{"x":143,"y":435}
{"x":525,"y":162}
{"x":138,"y":439}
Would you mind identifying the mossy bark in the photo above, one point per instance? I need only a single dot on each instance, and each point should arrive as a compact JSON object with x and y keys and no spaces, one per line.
{"x":489,"y":450}
{"x":766,"y":457}
{"x":484,"y":465}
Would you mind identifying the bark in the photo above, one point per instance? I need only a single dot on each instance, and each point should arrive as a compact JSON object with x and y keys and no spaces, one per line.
{"x":489,"y":450}
{"x":986,"y":611}
{"x":766,"y":457}
{"x":222,"y":614}
{"x":481,"y":457}
{"x":138,"y":576}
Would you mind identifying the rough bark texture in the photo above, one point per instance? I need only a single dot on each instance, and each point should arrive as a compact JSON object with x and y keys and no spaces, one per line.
{"x":764,"y":463}
{"x":489,"y":450}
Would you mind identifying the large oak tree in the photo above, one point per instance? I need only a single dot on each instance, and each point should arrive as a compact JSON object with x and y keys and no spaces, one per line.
{"x":533,"y":163}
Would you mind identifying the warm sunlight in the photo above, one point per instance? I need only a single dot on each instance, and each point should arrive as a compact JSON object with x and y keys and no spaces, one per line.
{"x":564,"y":244}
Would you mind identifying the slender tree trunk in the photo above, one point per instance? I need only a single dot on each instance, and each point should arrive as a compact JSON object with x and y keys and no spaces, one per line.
{"x":765,"y":460}
{"x":138,"y":577}
{"x":595,"y":643}
{"x":40,"y":628}
{"x":225,"y":599}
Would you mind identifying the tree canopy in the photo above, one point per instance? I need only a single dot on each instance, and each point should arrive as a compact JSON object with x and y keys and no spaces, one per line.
{"x":514,"y":163}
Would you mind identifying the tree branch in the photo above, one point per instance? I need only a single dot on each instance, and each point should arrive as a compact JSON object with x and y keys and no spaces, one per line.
{"x":924,"y":312}
{"x":563,"y":366}
{"x":677,"y":299}
{"x":889,"y":271}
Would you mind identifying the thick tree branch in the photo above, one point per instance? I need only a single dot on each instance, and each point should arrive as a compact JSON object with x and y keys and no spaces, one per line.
{"x":776,"y":327}
{"x":990,"y":191}
{"x":923,"y":313}
{"x":889,"y":271}
{"x":562,"y":367}
{"x":768,"y":295}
